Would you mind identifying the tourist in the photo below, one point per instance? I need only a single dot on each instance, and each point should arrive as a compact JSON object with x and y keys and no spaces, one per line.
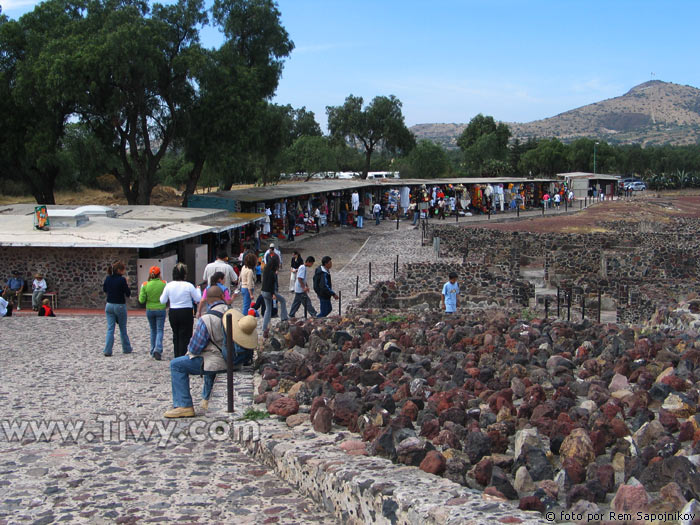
{"x":116,"y":286}
{"x":216,"y":280}
{"x":297,"y":261}
{"x":270,"y":291}
{"x":257,"y":238}
{"x":545,"y":200}
{"x":323,"y":286}
{"x":45,"y":310}
{"x":182,"y":296}
{"x":38,"y":290}
{"x":301,"y":289}
{"x":220,"y":265}
{"x":360,"y":215}
{"x":149,"y":295}
{"x":291,"y":223}
{"x":5,"y":307}
{"x":206,"y":353}
{"x":13,"y":289}
{"x":377,"y":211}
{"x":413,"y":208}
{"x":247,"y":280}
{"x":450,"y":291}
{"x":272,"y":250}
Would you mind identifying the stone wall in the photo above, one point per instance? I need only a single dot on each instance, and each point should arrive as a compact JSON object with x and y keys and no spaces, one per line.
{"x":76,"y":274}
{"x":422,"y":282}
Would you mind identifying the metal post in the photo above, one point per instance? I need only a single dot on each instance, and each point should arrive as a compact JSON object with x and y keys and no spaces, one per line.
{"x":558,"y":301}
{"x":456,"y":214}
{"x":489,"y":213}
{"x":543,"y":205}
{"x":568,"y":306}
{"x":397,"y":263}
{"x":546,"y":307}
{"x":357,"y":285}
{"x":229,"y":363}
{"x":397,"y":219}
{"x":580,"y":205}
{"x":600,"y":294}
{"x":340,"y":302}
{"x":394,"y":265}
{"x":517,"y":209}
{"x":566,"y":204}
{"x":585,"y":202}
{"x":370,"y":272}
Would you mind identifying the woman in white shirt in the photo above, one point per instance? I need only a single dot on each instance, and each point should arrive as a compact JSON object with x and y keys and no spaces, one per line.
{"x":182,"y":296}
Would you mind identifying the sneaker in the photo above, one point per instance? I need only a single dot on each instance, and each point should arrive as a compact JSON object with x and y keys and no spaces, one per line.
{"x":157,"y":356}
{"x":179,"y":412}
{"x":18,"y":308}
{"x":107,"y":355}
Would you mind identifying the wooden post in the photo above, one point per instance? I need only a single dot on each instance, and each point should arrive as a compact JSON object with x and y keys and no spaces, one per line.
{"x":230,"y":350}
{"x":558,"y":301}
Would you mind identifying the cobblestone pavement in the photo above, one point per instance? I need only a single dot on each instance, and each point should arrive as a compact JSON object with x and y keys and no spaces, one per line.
{"x":53,"y":371}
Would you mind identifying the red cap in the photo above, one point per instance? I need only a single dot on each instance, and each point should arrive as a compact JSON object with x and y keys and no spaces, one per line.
{"x":251,"y":312}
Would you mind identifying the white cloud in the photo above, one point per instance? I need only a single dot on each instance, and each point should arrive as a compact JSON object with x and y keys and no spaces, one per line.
{"x":11,"y":5}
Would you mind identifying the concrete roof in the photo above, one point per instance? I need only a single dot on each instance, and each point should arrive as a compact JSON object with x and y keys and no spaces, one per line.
{"x":133,"y":227}
{"x":295,"y":189}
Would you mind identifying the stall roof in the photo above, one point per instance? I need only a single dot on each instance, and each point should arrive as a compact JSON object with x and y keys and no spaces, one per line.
{"x":133,"y":227}
{"x":586,"y":175}
{"x":297,"y":189}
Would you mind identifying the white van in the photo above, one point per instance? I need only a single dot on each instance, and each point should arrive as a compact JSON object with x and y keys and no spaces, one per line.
{"x":383,"y":175}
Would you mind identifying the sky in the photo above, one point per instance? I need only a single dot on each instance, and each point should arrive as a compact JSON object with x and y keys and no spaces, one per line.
{"x":448,"y":60}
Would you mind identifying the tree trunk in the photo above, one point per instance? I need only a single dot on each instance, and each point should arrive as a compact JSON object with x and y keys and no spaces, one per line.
{"x":42,"y":185}
{"x":368,"y":158}
{"x":192,"y":180}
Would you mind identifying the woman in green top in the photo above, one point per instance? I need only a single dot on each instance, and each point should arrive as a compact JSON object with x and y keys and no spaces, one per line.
{"x":155,"y":311}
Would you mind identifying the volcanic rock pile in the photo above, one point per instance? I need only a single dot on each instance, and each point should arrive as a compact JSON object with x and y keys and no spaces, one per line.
{"x":552,"y":414}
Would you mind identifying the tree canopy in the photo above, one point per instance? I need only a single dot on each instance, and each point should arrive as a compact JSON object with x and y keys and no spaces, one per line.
{"x":379,"y":125}
{"x":483,"y":142}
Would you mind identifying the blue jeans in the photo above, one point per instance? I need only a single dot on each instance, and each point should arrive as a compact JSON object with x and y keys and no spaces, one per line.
{"x":360,"y":221}
{"x":415,"y":217}
{"x":281,"y":307}
{"x":181,"y":368}
{"x":245,"y":295}
{"x":376,"y":218}
{"x":116,"y":314}
{"x":325,"y":307}
{"x":156,"y":320}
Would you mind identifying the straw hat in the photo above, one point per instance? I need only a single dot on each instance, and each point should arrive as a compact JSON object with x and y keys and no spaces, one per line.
{"x":244,"y":328}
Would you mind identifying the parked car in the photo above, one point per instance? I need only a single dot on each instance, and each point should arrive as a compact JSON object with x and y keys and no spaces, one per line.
{"x":637,"y":186}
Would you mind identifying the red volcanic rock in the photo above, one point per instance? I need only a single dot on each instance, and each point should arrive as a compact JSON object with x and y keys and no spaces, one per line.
{"x":574,"y":470}
{"x":630,"y":498}
{"x":606,"y":476}
{"x":447,"y":439}
{"x":322,"y":421}
{"x":433,"y":463}
{"x":410,"y":410}
{"x":618,"y":427}
{"x":675,"y":382}
{"x":686,"y":431}
{"x":668,"y":420}
{"x":284,"y":406}
{"x":317,"y":403}
{"x":430,"y":428}
{"x":531,"y":503}
{"x":482,"y":471}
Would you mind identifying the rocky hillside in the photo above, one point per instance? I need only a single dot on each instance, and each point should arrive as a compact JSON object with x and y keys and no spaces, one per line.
{"x":651,"y":113}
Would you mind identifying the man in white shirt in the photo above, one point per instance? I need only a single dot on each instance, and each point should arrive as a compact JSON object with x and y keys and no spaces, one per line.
{"x":272,"y":249}
{"x":301,"y":289}
{"x":3,"y":307}
{"x":220,"y":265}
{"x":377,"y":210}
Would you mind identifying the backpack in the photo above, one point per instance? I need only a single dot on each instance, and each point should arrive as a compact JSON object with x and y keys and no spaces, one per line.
{"x":318,"y":277}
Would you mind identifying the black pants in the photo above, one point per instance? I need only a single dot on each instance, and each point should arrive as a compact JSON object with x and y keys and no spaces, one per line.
{"x":181,"y":321}
{"x":301,"y":299}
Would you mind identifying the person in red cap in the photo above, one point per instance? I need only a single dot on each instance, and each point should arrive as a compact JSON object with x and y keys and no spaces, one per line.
{"x":155,"y":311}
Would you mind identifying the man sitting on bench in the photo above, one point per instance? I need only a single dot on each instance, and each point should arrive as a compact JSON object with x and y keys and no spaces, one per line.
{"x":13,"y":289}
{"x":206,"y":354}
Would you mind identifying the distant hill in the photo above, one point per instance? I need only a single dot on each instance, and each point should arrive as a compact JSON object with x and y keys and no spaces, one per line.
{"x":651,"y":113}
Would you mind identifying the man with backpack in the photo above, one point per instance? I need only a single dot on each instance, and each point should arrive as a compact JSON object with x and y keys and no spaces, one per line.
{"x":206,"y":353}
{"x":323,"y":286}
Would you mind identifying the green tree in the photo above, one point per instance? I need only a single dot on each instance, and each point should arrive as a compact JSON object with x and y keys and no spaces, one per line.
{"x":36,"y":94}
{"x":380,"y":125}
{"x":483,"y":140}
{"x":309,"y":154}
{"x":426,"y":160}
{"x":548,"y":158}
{"x":229,"y":116}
